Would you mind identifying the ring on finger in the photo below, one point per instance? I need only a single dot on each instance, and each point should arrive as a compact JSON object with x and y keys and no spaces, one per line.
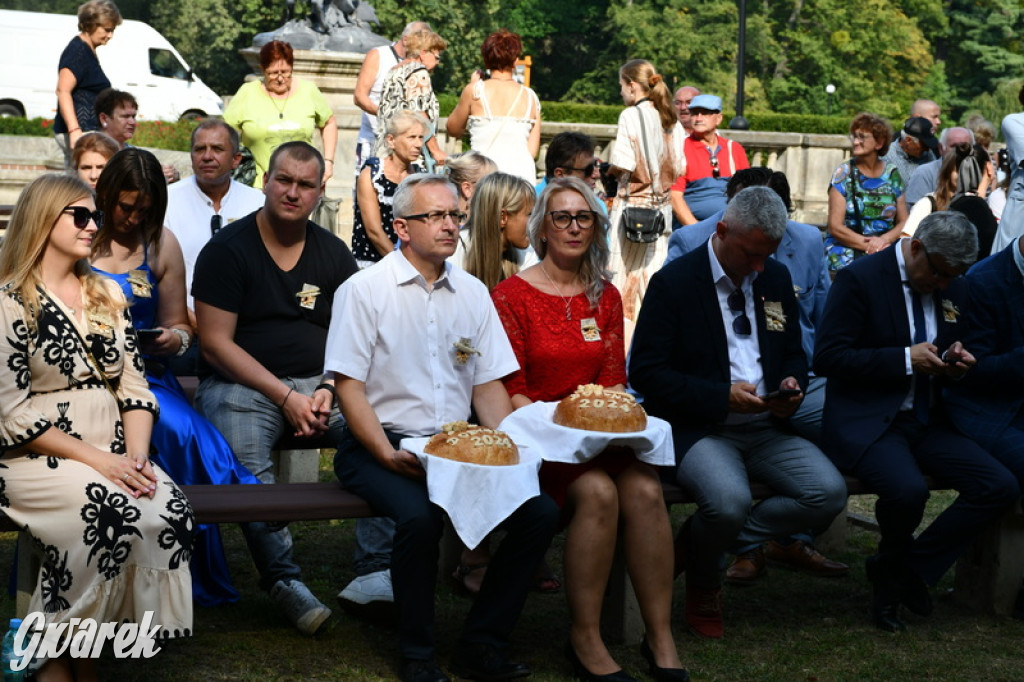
{"x":125,"y":478}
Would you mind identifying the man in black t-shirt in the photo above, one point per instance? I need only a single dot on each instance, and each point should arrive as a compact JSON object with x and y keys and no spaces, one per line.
{"x":263,"y":289}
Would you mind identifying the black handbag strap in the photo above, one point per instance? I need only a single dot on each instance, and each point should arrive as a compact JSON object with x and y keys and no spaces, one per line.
{"x":858,"y":227}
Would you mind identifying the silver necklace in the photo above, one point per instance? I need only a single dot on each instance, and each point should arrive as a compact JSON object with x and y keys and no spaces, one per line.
{"x":567,"y":301}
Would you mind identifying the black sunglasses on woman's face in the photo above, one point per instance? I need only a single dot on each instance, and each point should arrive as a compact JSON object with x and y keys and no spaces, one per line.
{"x":82,"y":215}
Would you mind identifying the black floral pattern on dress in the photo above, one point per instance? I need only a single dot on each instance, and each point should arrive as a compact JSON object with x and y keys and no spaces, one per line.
{"x":109,"y":517}
{"x":118,"y":445}
{"x":4,"y":500}
{"x":17,"y":361}
{"x":180,"y":528}
{"x":55,"y":578}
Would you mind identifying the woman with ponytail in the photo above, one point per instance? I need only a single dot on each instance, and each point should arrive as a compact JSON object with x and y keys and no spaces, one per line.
{"x":643,"y":160}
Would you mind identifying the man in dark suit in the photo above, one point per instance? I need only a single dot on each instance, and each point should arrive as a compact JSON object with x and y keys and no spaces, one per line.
{"x":988,"y":405}
{"x":882,"y":423}
{"x":717,"y":353}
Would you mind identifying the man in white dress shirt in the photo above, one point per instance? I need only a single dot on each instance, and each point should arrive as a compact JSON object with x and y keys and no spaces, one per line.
{"x":398,"y":373}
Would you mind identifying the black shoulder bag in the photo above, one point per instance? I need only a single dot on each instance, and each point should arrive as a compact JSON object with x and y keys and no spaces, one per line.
{"x":642,"y":225}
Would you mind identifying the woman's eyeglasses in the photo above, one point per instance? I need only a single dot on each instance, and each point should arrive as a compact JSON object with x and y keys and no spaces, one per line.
{"x":283,"y":75}
{"x":82,"y":215}
{"x":563,"y":219}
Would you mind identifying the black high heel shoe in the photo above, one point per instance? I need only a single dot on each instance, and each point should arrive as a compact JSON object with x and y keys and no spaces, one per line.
{"x":661,"y":674}
{"x":580,"y":671}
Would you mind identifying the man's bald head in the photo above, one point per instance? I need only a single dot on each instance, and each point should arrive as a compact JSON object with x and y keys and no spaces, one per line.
{"x":681,"y":101}
{"x":926,"y":108}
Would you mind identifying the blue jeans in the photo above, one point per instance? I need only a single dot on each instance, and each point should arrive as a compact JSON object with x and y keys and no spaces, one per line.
{"x":717,"y":471}
{"x":807,"y":419}
{"x":252,"y":424}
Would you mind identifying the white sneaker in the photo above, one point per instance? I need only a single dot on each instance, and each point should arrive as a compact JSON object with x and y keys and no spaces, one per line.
{"x":370,"y":596}
{"x":303,"y":609}
{"x":370,"y":587}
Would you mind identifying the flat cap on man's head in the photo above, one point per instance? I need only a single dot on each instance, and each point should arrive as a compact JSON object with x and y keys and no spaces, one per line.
{"x":706,"y":102}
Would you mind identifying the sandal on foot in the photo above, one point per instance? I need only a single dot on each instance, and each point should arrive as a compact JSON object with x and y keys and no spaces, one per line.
{"x":470,"y":577}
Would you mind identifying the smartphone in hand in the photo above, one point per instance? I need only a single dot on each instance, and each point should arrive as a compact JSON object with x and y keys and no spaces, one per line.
{"x":148,"y":335}
{"x":782,"y":394}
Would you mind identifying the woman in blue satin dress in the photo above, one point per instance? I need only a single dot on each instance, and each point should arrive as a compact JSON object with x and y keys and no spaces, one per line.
{"x":133,"y":249}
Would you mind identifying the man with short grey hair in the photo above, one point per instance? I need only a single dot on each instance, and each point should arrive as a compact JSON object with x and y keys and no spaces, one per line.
{"x":926,"y":178}
{"x":717,"y":352}
{"x":889,"y":337}
{"x":399,"y":376}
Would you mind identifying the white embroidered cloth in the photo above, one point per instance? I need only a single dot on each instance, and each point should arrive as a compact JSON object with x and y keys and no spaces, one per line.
{"x":533,"y":427}
{"x":477,"y":498}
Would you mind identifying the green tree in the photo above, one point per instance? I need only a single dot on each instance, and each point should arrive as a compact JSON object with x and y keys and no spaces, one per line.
{"x":983,"y":47}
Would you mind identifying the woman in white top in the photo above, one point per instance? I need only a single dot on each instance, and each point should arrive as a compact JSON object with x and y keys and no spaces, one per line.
{"x":502,"y":116}
{"x":646,"y":166}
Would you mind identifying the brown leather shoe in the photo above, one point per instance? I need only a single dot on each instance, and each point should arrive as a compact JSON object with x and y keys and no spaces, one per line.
{"x":746,"y":568}
{"x":802,"y":557}
{"x":704,"y":612}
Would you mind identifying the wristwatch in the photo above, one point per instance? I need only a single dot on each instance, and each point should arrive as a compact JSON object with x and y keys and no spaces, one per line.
{"x":186,"y":340}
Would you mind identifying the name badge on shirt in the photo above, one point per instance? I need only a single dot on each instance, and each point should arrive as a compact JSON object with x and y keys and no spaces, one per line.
{"x":774,"y":318}
{"x":589,"y":329}
{"x":141,"y":286}
{"x":307,"y":296}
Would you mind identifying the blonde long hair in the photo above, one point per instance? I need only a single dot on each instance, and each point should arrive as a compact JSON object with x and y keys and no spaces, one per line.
{"x":643,"y":73}
{"x":485,"y":258}
{"x":39,"y":206}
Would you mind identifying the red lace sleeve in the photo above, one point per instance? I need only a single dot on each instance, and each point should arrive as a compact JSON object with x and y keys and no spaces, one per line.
{"x":613,"y":371}
{"x":510,"y":309}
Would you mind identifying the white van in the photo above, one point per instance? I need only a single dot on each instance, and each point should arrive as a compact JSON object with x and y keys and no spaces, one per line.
{"x":137,"y":60}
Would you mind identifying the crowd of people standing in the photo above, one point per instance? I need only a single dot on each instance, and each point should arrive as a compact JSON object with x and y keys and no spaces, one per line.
{"x":774,"y":351}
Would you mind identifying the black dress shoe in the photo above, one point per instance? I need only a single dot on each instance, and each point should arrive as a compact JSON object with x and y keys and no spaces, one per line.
{"x":914,"y":593}
{"x":414,"y":670}
{"x":661,"y":674}
{"x":486,"y":663}
{"x":580,"y":672}
{"x":885,"y":599}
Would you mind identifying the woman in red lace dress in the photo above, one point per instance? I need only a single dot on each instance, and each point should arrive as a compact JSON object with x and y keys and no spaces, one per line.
{"x":564,"y":319}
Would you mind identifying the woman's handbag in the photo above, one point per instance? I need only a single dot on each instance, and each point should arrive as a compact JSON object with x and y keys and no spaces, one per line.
{"x":642,"y":225}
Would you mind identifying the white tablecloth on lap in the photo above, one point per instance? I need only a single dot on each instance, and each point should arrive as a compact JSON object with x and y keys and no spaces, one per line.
{"x":534,"y":427}
{"x":477,"y":498}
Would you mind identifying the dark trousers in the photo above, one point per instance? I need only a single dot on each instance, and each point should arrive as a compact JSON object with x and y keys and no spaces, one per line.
{"x":418,"y":526}
{"x":895,"y":467}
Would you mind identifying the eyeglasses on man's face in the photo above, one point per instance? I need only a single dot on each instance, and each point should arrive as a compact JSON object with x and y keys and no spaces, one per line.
{"x":435,"y":218}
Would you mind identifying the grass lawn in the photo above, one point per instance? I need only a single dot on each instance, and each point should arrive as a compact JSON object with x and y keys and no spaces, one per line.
{"x":787,"y":628}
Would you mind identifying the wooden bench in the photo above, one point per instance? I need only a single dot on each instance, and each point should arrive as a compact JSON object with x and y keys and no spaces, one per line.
{"x":988,"y":576}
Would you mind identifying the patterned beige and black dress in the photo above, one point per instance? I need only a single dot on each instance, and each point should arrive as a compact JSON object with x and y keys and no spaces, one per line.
{"x":105,"y":555}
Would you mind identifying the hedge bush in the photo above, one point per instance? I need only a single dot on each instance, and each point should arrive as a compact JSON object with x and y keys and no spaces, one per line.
{"x":175,"y":136}
{"x":154,"y":134}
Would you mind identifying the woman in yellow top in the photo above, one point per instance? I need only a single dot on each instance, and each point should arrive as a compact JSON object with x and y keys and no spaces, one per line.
{"x":280,"y":109}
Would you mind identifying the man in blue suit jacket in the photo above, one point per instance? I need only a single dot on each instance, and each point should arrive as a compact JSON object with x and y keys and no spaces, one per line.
{"x":882,"y":423}
{"x":988,"y":405}
{"x":716,"y":340}
{"x":803,"y":254}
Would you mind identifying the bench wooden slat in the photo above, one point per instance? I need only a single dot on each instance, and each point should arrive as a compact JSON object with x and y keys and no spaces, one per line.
{"x":324,"y":501}
{"x":277,"y":502}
